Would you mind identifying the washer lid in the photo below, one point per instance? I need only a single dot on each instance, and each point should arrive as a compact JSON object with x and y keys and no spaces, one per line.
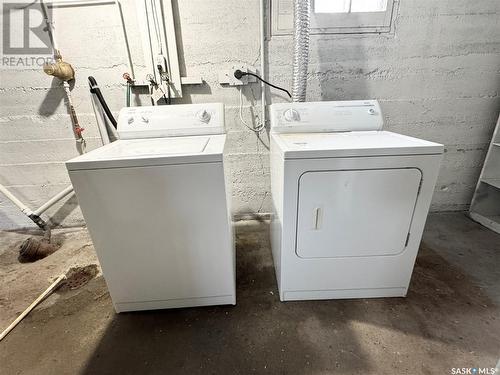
{"x":153,"y":151}
{"x":362,"y":143}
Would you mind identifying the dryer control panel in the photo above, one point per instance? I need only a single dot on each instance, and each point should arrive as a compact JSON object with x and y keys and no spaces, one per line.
{"x":171,"y":120}
{"x":338,"y":116}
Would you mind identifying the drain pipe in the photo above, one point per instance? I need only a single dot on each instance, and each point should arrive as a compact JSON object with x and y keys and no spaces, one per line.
{"x":35,"y":215}
{"x":44,"y":207}
{"x":24,"y":209}
{"x":302,"y":9}
{"x":65,"y":72}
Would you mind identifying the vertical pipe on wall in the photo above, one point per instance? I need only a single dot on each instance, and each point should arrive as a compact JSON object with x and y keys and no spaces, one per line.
{"x":262,"y":62}
{"x":301,"y":49}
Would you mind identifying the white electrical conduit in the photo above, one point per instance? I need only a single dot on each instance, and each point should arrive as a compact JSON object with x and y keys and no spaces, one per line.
{"x":262,"y":31}
{"x":50,"y":30}
{"x":262,"y":64}
{"x":256,"y":129}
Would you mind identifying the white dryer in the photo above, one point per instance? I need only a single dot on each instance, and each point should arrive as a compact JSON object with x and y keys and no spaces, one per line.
{"x":157,"y":208}
{"x":350,"y":200}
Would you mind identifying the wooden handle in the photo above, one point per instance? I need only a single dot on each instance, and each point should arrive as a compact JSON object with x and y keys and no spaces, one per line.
{"x":40,"y":298}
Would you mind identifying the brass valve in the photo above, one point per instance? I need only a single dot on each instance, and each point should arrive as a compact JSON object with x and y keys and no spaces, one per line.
{"x":60,"y":69}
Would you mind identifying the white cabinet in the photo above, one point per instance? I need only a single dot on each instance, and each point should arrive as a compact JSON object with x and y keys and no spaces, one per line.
{"x":485,"y":206}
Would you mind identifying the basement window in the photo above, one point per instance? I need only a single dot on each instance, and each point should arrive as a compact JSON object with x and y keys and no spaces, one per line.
{"x":336,"y":16}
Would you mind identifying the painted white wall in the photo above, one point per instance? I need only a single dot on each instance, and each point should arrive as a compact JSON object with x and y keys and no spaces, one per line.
{"x":437,"y":78}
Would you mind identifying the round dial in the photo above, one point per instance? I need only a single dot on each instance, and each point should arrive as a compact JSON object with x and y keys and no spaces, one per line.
{"x":291,"y":115}
{"x":204,"y":116}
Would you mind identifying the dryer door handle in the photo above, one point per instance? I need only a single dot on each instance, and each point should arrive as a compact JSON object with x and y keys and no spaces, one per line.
{"x":317,"y":218}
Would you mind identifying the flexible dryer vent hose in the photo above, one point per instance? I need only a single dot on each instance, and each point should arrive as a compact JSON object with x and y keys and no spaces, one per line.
{"x":301,"y":49}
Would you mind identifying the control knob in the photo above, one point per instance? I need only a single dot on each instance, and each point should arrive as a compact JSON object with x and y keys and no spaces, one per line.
{"x":204,"y":116}
{"x":291,"y":115}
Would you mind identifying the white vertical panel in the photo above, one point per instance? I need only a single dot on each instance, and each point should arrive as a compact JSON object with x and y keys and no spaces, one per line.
{"x":158,"y":33}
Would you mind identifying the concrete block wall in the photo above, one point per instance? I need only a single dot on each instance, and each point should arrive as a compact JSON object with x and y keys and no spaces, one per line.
{"x":36,"y":136}
{"x":436,"y":76}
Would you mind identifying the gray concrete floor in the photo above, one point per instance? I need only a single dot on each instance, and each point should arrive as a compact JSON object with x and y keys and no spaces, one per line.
{"x":450,"y":318}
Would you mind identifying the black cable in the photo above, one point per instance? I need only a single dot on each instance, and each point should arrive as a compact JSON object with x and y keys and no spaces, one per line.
{"x":160,"y":70}
{"x":151,"y":97}
{"x":94,"y":89}
{"x":238,"y":74}
{"x":169,"y":100}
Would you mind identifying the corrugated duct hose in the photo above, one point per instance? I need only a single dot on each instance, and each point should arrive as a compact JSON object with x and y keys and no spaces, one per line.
{"x":301,"y":49}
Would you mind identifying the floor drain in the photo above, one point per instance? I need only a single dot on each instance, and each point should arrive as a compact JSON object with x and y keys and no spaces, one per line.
{"x":78,"y":277}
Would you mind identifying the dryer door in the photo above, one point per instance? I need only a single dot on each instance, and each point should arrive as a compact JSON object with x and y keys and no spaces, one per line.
{"x":349,"y":213}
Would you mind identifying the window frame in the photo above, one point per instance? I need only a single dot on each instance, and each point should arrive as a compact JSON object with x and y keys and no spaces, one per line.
{"x":333,"y":23}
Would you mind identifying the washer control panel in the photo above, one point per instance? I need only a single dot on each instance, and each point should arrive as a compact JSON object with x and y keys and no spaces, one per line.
{"x":171,"y":120}
{"x":340,"y":116}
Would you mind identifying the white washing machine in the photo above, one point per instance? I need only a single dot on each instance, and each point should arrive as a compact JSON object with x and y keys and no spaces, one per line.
{"x":350,"y":200}
{"x":157,"y":208}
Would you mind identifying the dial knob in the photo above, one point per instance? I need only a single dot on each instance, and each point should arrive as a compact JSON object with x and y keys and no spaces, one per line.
{"x":291,"y":115}
{"x":130,"y":120}
{"x":204,"y":116}
{"x":145,"y":119}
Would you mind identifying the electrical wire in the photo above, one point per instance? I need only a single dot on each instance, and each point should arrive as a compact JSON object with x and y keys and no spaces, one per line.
{"x":256,"y":129}
{"x":238,"y":74}
{"x":169,"y":96}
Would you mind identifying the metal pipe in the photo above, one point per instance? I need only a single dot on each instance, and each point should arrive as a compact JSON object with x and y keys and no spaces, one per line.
{"x":125,"y":37}
{"x":44,"y":207}
{"x":77,"y":129}
{"x":69,"y":3}
{"x":50,"y":30}
{"x":73,"y":3}
{"x":262,"y":63}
